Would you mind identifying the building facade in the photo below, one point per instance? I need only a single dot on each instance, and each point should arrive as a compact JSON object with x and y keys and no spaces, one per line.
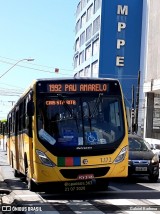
{"x":120,"y":39}
{"x":150,"y":62}
{"x":108,"y":41}
{"x":87,"y":38}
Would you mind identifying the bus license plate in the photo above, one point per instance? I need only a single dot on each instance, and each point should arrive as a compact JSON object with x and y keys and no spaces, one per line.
{"x":141,"y":169}
{"x":85,"y":177}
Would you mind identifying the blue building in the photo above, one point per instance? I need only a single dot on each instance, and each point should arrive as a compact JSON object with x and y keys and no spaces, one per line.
{"x":108,"y":41}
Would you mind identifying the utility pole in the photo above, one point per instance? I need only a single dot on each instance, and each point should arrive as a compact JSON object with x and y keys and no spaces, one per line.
{"x":137,"y":103}
{"x":132,"y":112}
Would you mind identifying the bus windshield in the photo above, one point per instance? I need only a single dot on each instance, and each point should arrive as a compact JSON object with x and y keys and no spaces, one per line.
{"x":79,"y":120}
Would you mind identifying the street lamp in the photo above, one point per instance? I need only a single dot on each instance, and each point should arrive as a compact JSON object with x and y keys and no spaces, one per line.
{"x":15,"y":65}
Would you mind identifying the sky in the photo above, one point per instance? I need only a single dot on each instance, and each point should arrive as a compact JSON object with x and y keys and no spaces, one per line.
{"x":39,"y":30}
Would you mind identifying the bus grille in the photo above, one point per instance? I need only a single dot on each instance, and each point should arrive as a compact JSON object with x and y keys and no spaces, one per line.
{"x":73,"y":173}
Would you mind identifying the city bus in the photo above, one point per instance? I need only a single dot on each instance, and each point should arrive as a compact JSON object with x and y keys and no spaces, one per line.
{"x":70,"y":134}
{"x":3,"y":134}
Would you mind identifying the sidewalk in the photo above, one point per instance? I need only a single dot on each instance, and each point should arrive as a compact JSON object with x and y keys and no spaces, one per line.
{"x":4,"y":189}
{"x":9,"y":185}
{"x":14,"y":193}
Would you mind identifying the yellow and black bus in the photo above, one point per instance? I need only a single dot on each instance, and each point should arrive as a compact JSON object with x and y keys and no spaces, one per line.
{"x":3,"y":134}
{"x":69,"y":132}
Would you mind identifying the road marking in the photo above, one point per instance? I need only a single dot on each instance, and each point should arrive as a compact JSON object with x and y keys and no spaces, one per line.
{"x":155,"y":201}
{"x":133,"y":191}
{"x":23,"y":196}
{"x":86,"y":207}
{"x":131,"y":207}
{"x":114,"y":188}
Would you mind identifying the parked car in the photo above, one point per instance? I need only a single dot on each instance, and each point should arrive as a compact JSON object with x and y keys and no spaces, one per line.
{"x":155,"y":145}
{"x":142,"y":160}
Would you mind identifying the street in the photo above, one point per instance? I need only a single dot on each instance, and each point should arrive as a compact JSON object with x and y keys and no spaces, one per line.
{"x":122,"y":196}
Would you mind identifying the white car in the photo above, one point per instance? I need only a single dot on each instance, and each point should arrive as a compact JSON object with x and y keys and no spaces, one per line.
{"x":154,"y":145}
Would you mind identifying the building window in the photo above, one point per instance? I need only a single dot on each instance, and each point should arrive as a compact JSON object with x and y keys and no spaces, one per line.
{"x":89,"y":12}
{"x":82,"y":38}
{"x":78,"y":25}
{"x":87,"y":71}
{"x":81,"y":57}
{"x":89,"y":32}
{"x":83,"y":3}
{"x":78,"y":9}
{"x":76,"y":61}
{"x":83,"y":20}
{"x":96,"y":25}
{"x":88,"y":52}
{"x":95,"y":69}
{"x":81,"y":73}
{"x":95,"y":47}
{"x":77,"y":45}
{"x":97,"y":4}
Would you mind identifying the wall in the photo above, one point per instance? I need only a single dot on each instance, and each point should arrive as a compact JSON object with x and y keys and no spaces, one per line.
{"x":153,"y":58}
{"x":120,"y":44}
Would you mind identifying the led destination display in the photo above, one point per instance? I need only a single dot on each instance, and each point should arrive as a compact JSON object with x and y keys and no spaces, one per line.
{"x":91,"y":87}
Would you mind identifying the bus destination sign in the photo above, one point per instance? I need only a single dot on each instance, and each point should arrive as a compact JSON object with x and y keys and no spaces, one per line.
{"x":71,"y":87}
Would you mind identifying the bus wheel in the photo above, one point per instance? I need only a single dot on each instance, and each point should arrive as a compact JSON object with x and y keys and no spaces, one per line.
{"x":16,"y":173}
{"x":32,"y":186}
{"x":102,"y":184}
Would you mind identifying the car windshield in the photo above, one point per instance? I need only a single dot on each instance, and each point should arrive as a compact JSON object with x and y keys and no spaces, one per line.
{"x":138,"y":144}
{"x":157,"y":146}
{"x":77,"y":120}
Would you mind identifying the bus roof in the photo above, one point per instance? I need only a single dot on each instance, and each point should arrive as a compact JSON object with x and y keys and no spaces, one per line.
{"x":58,"y":79}
{"x":35,"y":81}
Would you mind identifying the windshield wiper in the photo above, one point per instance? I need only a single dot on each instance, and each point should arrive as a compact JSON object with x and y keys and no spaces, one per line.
{"x":65,"y":104}
{"x":68,"y":109}
{"x":89,"y":115}
{"x":95,"y":108}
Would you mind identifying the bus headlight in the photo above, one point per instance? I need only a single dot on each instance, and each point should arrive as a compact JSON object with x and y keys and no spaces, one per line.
{"x":44,"y":159}
{"x":121,"y":155}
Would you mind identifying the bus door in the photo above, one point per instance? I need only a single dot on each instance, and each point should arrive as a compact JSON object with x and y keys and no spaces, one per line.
{"x":16,"y":165}
{"x":29,"y":112}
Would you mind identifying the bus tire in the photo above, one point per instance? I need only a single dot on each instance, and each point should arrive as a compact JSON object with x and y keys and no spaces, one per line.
{"x":102,"y":184}
{"x":32,"y":186}
{"x":16,"y":173}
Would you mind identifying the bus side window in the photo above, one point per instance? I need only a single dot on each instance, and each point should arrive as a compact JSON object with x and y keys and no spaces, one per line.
{"x":30,"y":113}
{"x":30,"y":108}
{"x":24,"y":115}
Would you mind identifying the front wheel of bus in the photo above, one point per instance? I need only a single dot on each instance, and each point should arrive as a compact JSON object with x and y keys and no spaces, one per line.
{"x":32,"y":186}
{"x":102,"y":184}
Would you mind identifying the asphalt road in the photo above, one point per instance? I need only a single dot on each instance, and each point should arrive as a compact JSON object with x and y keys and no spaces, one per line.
{"x":122,"y":196}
